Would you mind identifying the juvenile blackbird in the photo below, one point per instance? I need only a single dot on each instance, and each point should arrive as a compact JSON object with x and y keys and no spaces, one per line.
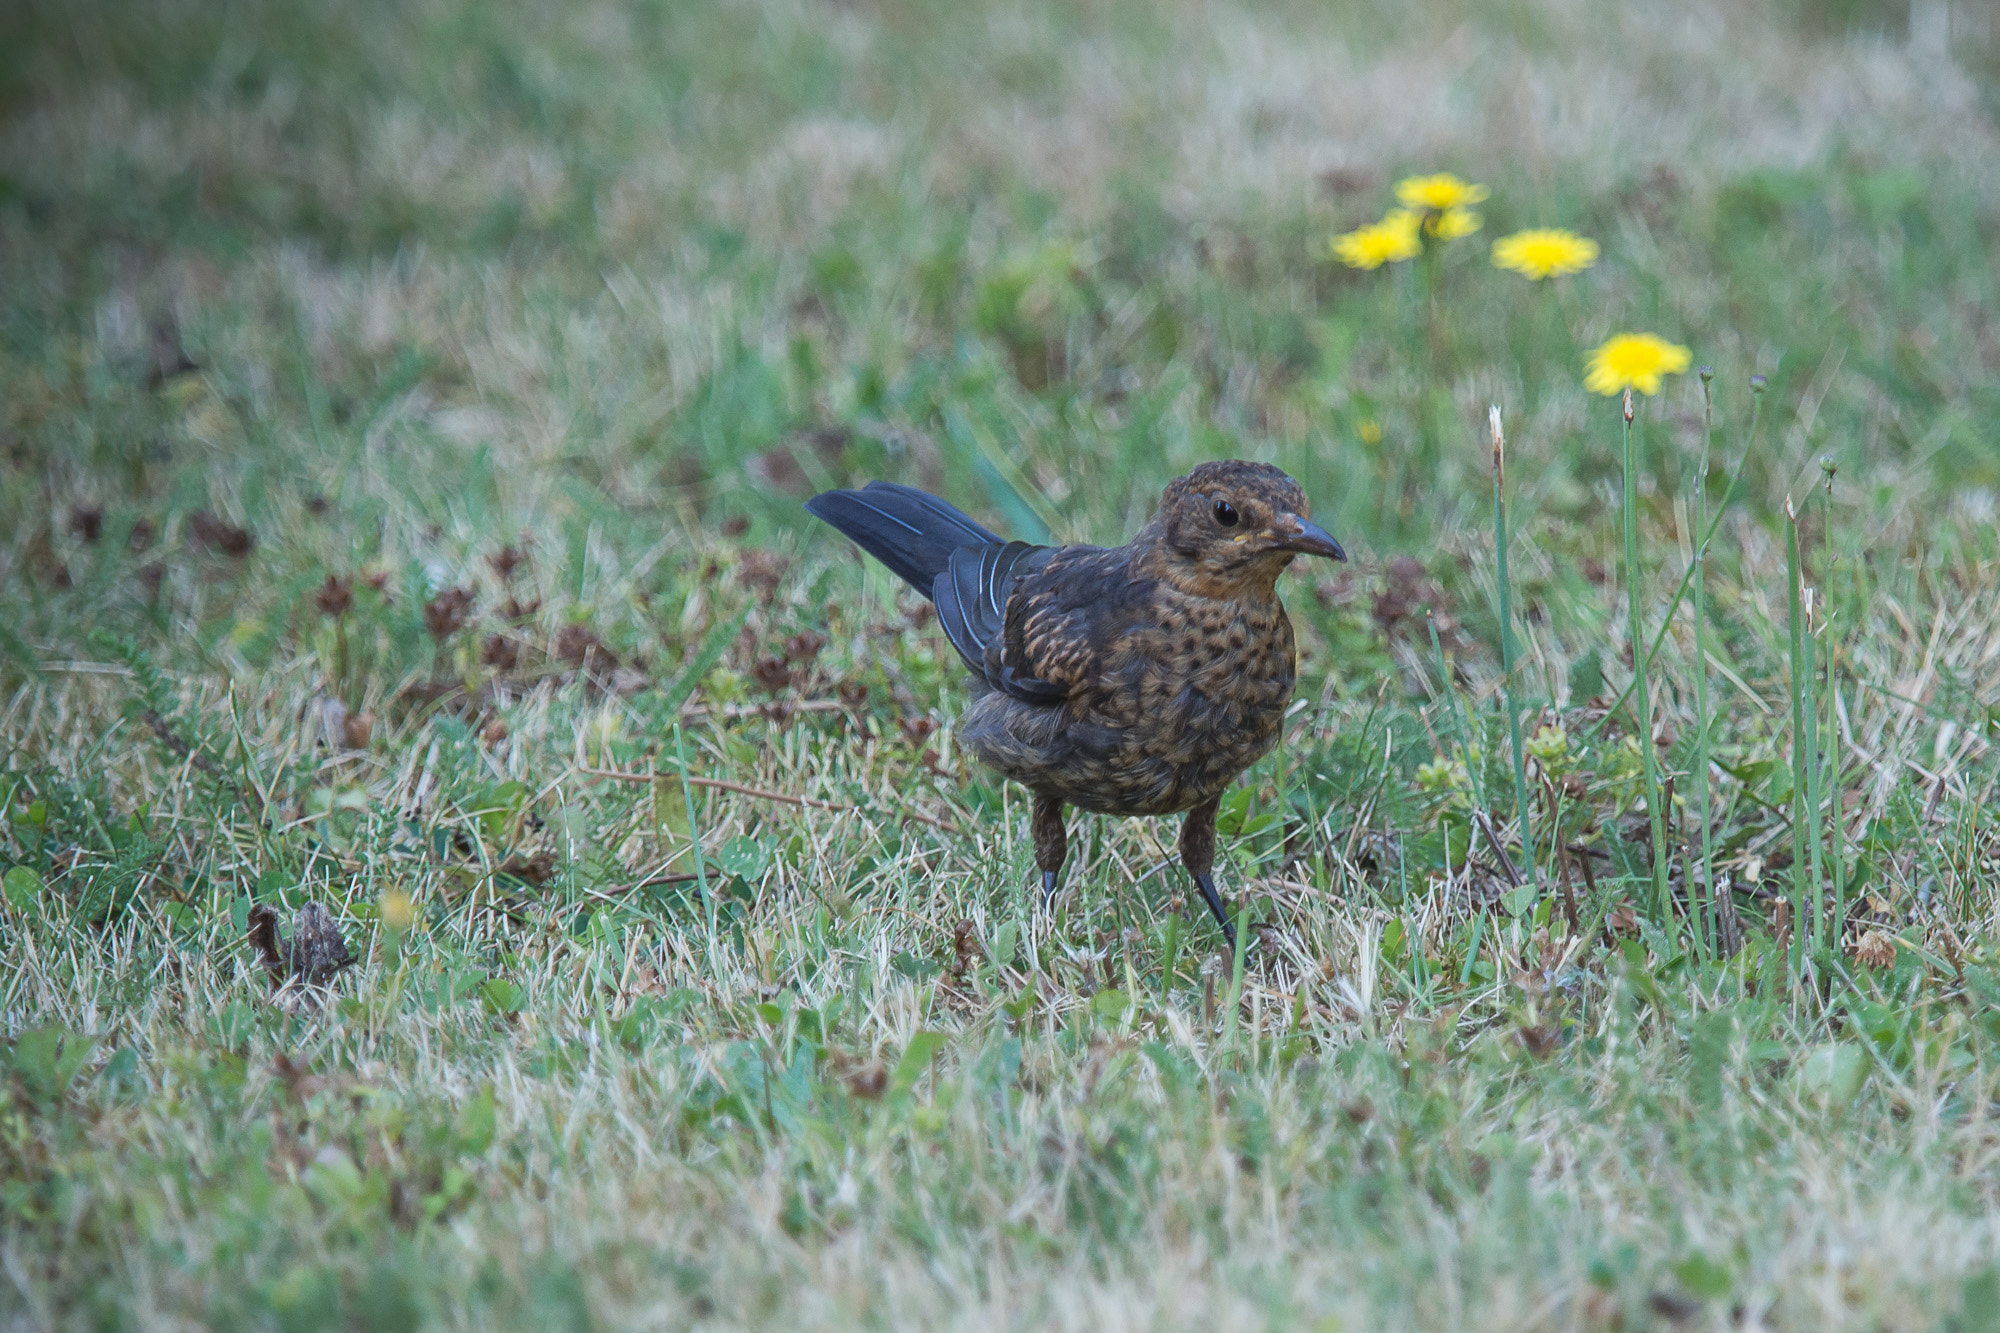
{"x":1135,"y":680}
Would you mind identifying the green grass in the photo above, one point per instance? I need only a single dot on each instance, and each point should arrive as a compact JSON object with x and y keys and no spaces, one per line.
{"x":394,"y":288}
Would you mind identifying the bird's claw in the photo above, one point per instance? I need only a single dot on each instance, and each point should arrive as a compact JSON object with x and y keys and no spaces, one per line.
{"x":1048,"y":890}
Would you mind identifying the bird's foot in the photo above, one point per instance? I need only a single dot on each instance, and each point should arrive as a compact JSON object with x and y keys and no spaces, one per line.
{"x":1206,"y":884}
{"x":1048,"y":890}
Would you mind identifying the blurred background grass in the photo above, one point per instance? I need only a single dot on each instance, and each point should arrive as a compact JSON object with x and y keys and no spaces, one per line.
{"x":609,"y":255}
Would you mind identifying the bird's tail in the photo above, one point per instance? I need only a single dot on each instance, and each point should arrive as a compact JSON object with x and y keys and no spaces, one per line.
{"x":910,"y":531}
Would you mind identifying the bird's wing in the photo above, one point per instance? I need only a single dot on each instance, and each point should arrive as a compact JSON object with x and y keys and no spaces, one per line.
{"x":1064,"y":616}
{"x":972,"y":596}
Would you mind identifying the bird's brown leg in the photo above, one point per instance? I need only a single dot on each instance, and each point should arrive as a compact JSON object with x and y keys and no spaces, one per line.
{"x":1051,"y":843}
{"x":1198,"y":855}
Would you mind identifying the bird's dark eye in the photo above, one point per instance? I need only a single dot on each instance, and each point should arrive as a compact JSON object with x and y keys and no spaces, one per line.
{"x":1225,"y":513}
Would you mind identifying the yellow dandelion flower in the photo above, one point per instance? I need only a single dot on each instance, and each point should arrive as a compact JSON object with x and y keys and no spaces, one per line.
{"x":1440,"y":193}
{"x":1542,"y":252}
{"x":1453,"y":223}
{"x":1389,"y":241}
{"x":1370,"y":431}
{"x":1403,"y":221}
{"x":1634,"y":361}
{"x":396,"y":911}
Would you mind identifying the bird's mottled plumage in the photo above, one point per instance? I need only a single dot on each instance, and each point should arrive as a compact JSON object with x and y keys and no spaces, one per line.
{"x":1133,"y":680}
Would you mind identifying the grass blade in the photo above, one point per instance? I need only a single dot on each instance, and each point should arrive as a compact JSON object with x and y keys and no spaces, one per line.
{"x":1458,"y":722}
{"x":694,"y":837}
{"x":713,"y":646}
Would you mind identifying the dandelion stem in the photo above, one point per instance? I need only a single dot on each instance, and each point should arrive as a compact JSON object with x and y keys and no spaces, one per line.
{"x":1641,"y":690}
{"x":350,"y":698}
{"x":1507,"y":650}
{"x":1815,"y":784}
{"x":1838,"y":852}
{"x":1707,"y":920}
{"x":1831,"y":787}
{"x":1687,"y":579}
{"x":1800,"y":818}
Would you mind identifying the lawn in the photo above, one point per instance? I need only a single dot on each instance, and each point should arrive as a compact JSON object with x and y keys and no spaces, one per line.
{"x":405,"y":410}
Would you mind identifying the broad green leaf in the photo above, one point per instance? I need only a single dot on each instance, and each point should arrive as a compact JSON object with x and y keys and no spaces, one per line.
{"x":502,"y":996}
{"x":923,"y":1048}
{"x":1708,"y":1050}
{"x":1833,"y":1073}
{"x":745,"y":857}
{"x":1703,"y":1276}
{"x":1234,"y":810}
{"x":475,"y":1122}
{"x":22,"y":887}
{"x":48,"y":1059}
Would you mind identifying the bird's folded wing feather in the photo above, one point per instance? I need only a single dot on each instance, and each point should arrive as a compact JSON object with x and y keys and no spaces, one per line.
{"x":1063,"y":617}
{"x":972,"y":596}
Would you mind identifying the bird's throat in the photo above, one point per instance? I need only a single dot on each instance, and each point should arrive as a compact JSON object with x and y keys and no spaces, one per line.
{"x":1252,"y":580}
{"x":1222,"y":574}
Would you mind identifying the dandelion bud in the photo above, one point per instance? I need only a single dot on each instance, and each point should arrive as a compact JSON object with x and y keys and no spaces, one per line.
{"x":335,"y":596}
{"x":1443,"y":775}
{"x":1707,"y":373}
{"x":447,"y":613}
{"x":356,"y":730}
{"x":1549,"y":746}
{"x":1827,"y":466}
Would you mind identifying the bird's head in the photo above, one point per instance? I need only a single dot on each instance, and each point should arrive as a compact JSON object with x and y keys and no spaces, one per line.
{"x":1230,"y":528}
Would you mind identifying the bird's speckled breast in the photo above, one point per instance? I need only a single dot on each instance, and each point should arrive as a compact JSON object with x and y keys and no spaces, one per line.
{"x":1185,"y":701}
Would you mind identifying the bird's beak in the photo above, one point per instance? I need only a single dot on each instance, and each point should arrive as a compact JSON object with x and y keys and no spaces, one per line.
{"x":1306,"y":537}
